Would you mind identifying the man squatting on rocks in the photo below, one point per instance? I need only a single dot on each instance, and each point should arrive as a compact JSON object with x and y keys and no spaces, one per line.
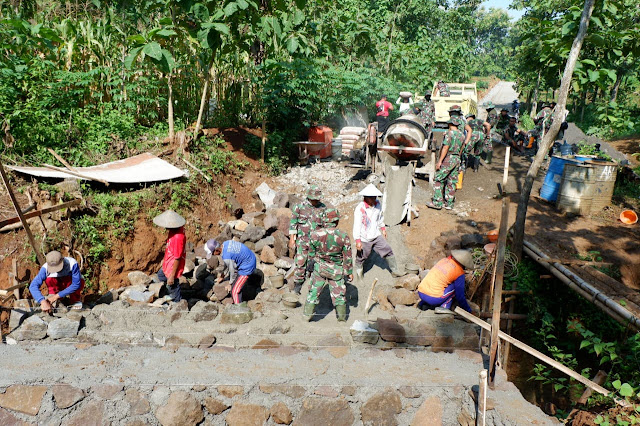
{"x":446,"y":281}
{"x":64,"y":282}
{"x":175,"y":253}
{"x":370,"y":233}
{"x":306,"y":217}
{"x":240,"y":263}
{"x":331,"y":250}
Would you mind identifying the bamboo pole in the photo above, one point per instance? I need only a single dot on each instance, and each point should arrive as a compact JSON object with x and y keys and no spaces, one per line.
{"x":14,"y":201}
{"x":542,"y":357}
{"x":29,"y":214}
{"x":505,"y":174}
{"x":481,"y":417}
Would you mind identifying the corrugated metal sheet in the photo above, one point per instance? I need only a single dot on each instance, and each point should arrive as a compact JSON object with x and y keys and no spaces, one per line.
{"x":138,"y":169}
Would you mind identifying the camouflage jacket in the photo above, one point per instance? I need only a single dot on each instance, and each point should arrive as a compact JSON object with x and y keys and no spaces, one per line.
{"x":305,"y":219}
{"x":428,"y":113}
{"x":492,"y":118}
{"x":502,"y":123}
{"x":331,"y":249}
{"x":461,"y":123}
{"x":454,"y":140}
{"x":476,"y":125}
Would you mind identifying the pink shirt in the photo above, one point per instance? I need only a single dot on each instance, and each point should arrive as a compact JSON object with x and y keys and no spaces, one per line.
{"x":176,"y":250}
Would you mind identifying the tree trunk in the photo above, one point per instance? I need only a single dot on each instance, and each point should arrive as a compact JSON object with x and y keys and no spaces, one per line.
{"x":565,"y":85}
{"x":393,"y":26}
{"x":583,"y":100}
{"x":534,"y":105}
{"x":170,"y":109}
{"x":528,"y":102}
{"x":616,"y":87}
{"x":203,"y":101}
{"x":264,"y":140}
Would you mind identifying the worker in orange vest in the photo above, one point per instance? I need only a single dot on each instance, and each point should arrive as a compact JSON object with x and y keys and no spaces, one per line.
{"x":445,"y":281}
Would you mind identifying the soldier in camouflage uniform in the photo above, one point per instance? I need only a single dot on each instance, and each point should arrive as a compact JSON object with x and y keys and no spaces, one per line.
{"x":447,"y":168}
{"x":430,"y":110}
{"x":331,"y":250}
{"x":479,"y":129}
{"x":492,"y":120}
{"x":306,"y":218}
{"x":443,"y":88}
{"x":503,"y":122}
{"x":544,"y":118}
{"x":455,"y":113}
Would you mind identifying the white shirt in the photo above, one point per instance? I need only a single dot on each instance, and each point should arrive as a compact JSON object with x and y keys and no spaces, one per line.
{"x":404,"y":106}
{"x":367,"y":222}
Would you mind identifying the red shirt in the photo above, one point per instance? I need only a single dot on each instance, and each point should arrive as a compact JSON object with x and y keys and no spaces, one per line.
{"x":383,"y":108}
{"x":176,"y":250}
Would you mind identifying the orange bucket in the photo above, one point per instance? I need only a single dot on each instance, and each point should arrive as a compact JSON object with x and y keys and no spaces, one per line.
{"x":493,"y":235}
{"x":628,"y":217}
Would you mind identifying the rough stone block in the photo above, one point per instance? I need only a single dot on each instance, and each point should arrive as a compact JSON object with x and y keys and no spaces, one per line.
{"x":241,"y":225}
{"x":253,"y":234}
{"x":92,"y":413}
{"x":382,"y":409}
{"x":362,"y":333}
{"x":33,"y":328}
{"x":247,"y":415}
{"x":215,"y":406}
{"x":322,"y":412}
{"x":236,"y":314}
{"x":471,"y":240}
{"x":136,"y":297}
{"x":409,"y":282}
{"x":281,"y":414}
{"x":207,"y":341}
{"x":6,"y":418}
{"x":266,"y":241}
{"x":107,"y":391}
{"x":63,"y":328}
{"x":267,"y":255}
{"x":181,"y":408}
{"x":402,"y":296}
{"x":281,"y":243}
{"x":138,"y":403}
{"x":284,"y":263}
{"x":203,"y":311}
{"x":230,"y":390}
{"x":409,"y":392}
{"x":391,"y":331}
{"x":429,"y":413}
{"x":17,"y":317}
{"x":281,"y":200}
{"x":23,"y":399}
{"x":419,"y":333}
{"x":137,"y":278}
{"x":66,"y":396}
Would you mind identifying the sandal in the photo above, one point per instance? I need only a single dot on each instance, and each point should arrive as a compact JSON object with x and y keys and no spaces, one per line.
{"x":433,"y":206}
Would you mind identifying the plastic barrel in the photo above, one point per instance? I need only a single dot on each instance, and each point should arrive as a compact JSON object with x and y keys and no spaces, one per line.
{"x":605,"y":180}
{"x":336,"y":149}
{"x":576,"y":189}
{"x":566,"y":149}
{"x":553,"y":178}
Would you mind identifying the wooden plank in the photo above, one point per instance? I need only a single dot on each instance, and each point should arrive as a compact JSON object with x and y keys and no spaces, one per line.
{"x":599,"y":378}
{"x":368,"y":305}
{"x":542,"y":357}
{"x":76,"y":174}
{"x":504,"y":315}
{"x":482,"y":399}
{"x":505,"y":174}
{"x":62,"y":160}
{"x":16,"y":206}
{"x":40,"y":212}
{"x":497,"y":291}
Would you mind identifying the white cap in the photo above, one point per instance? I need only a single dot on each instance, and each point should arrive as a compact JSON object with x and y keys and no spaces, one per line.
{"x":370,"y":191}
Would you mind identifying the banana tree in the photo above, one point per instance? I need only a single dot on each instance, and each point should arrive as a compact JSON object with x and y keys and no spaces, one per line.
{"x":152,"y":47}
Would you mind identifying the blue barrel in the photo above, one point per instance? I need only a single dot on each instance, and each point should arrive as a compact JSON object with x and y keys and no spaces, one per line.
{"x":553,"y":179}
{"x":566,"y":149}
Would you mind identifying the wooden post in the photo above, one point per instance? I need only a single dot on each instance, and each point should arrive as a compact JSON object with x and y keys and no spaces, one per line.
{"x":32,"y":241}
{"x":482,"y":399}
{"x":497,"y":291}
{"x":507,"y":345}
{"x":432,"y":172}
{"x":505,"y":174}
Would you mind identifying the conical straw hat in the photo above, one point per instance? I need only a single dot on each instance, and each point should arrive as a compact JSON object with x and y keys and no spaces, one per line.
{"x":169,"y":219}
{"x":464,"y":257}
{"x":370,"y":191}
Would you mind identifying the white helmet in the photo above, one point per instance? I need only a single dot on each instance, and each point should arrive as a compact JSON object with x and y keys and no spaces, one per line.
{"x":370,"y":191}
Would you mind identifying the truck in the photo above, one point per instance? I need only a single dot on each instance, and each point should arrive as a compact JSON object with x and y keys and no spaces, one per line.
{"x":463,"y":94}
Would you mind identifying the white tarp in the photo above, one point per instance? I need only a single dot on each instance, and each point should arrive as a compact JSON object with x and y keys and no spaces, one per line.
{"x":140,"y":168}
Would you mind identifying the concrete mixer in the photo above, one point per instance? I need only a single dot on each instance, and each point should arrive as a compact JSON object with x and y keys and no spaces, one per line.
{"x":406,"y":141}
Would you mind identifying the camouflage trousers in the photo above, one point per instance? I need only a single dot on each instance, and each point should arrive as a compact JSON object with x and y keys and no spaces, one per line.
{"x":487,"y":144}
{"x":300,"y":262}
{"x":334,"y":276}
{"x":445,"y":180}
{"x":475,"y":144}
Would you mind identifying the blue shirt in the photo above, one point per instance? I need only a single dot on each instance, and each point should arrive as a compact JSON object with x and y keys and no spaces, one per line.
{"x":70,"y":267}
{"x":243,"y":257}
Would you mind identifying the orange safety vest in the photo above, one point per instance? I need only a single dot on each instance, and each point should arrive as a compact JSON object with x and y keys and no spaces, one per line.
{"x":440,"y":276}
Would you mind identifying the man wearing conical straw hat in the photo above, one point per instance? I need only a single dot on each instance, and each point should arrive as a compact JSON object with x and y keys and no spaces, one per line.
{"x":174,"y":255}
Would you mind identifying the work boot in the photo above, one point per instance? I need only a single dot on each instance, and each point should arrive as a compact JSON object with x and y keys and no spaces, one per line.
{"x":341,"y":312}
{"x":309,"y":309}
{"x":489,"y":157}
{"x":297,"y":288}
{"x":393,"y":264}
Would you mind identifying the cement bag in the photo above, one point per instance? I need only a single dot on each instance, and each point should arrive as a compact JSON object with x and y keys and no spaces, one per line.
{"x":352,"y":130}
{"x":405,"y":94}
{"x":349,"y":138}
